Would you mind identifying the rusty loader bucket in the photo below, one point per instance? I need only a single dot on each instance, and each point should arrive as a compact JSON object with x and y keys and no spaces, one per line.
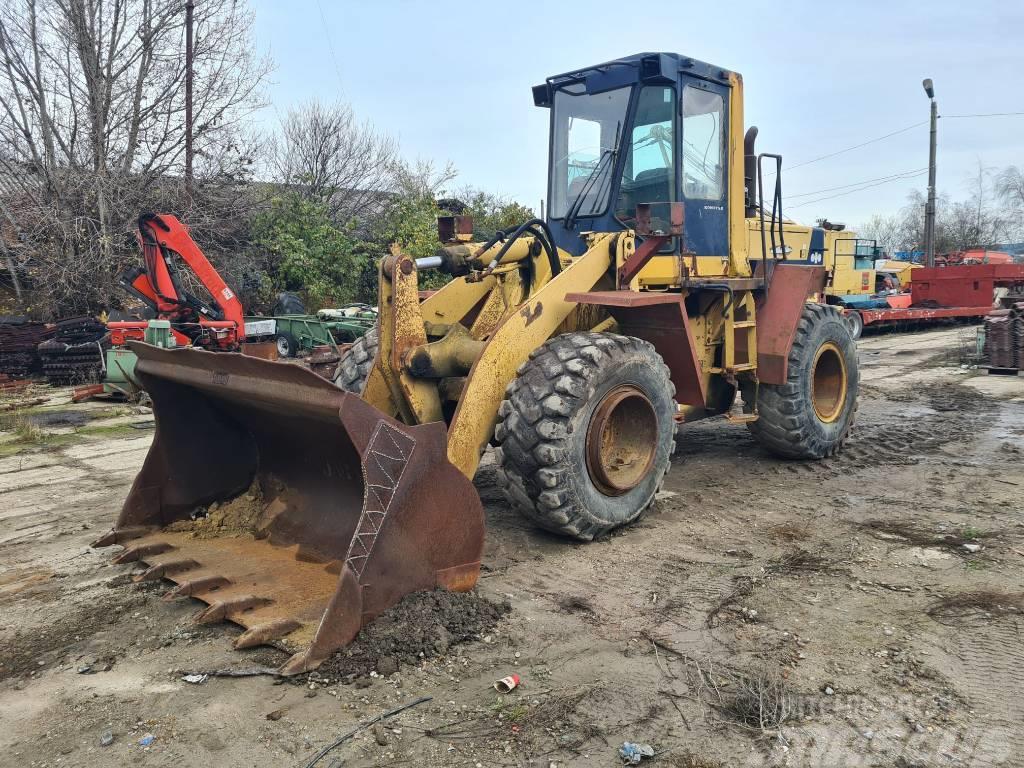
{"x":290,"y":507}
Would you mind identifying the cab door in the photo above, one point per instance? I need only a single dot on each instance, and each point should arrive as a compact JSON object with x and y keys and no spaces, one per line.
{"x":703,"y":165}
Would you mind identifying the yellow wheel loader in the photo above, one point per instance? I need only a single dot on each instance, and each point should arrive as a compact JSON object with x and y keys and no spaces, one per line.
{"x":657,"y":290}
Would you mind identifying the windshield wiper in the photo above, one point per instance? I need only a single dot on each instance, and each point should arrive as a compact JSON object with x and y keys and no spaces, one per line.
{"x":602,"y":164}
{"x":577,"y":203}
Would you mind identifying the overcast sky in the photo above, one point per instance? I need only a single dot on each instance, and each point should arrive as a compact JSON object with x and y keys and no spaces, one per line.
{"x":451,"y":80}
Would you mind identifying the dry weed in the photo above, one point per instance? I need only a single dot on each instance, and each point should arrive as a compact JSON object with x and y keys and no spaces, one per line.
{"x":990,"y":601}
{"x":801,"y":561}
{"x":576,"y":604}
{"x":789,"y":531}
{"x":755,"y":698}
{"x":917,"y":533}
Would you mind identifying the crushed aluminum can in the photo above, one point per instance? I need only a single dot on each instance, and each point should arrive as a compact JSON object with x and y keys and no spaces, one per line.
{"x":506,"y":684}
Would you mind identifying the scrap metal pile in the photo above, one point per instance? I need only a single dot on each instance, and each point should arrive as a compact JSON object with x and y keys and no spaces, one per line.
{"x":76,"y":351}
{"x":19,"y":338}
{"x":1004,"y":337}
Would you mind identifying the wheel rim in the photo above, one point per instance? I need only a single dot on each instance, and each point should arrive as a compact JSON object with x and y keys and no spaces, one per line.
{"x":621,"y":441}
{"x":853,"y":323}
{"x":283,"y":347}
{"x":828,"y":382}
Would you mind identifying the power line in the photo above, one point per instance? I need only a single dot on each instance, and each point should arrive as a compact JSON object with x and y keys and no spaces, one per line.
{"x":330,"y":46}
{"x":893,"y":176}
{"x":869,"y":183}
{"x":896,"y":133}
{"x":985,"y":114}
{"x":857,"y":146}
{"x":859,"y":189}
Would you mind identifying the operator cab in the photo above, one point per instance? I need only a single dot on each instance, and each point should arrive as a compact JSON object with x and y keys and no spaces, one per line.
{"x":649,"y":128}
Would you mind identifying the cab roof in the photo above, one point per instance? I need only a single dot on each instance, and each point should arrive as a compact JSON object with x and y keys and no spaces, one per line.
{"x":640,"y":67}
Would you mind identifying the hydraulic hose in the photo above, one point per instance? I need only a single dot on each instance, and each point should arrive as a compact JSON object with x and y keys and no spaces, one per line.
{"x":543,"y":234}
{"x":724,"y":288}
{"x":536,"y":227}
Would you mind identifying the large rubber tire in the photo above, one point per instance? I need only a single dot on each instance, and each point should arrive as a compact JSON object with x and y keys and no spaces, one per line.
{"x":357,"y":362}
{"x":545,"y":419}
{"x":789,"y":424}
{"x":855,"y":322}
{"x":288,"y":304}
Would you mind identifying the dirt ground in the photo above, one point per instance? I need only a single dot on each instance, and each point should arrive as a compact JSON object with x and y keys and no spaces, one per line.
{"x":865,"y":610}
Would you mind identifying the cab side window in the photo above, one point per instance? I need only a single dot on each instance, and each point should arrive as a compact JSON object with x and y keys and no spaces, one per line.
{"x":703,"y":144}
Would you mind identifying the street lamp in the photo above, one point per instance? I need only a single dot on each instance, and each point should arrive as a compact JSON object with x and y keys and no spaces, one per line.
{"x":929,"y":207}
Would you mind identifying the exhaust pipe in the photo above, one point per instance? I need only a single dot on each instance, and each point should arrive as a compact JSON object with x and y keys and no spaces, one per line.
{"x":750,"y":172}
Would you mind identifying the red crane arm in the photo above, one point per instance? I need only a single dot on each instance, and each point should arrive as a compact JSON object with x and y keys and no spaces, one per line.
{"x":160,"y":234}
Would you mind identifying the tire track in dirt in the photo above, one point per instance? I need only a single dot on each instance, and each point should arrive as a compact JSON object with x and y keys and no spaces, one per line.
{"x":884,"y":436}
{"x":884,"y":431}
{"x":992,"y":677}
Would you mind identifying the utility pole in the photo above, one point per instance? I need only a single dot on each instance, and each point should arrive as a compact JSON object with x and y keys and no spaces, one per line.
{"x":929,"y":207}
{"x":189,"y":7}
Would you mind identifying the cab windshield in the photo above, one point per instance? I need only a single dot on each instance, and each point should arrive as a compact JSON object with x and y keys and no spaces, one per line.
{"x":586,"y":130}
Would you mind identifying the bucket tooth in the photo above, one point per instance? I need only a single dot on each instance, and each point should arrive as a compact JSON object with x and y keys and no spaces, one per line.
{"x":121,"y":535}
{"x":192,"y":588}
{"x":298,"y":663}
{"x":142,"y":551}
{"x":218,"y":610}
{"x":264,"y":634}
{"x":160,"y":570}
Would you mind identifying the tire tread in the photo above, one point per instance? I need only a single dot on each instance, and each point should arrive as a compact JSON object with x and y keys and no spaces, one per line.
{"x":357,"y":362}
{"x":785,"y":418}
{"x":535,"y":423}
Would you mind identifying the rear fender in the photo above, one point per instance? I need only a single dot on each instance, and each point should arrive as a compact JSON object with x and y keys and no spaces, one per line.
{"x":778,"y":312}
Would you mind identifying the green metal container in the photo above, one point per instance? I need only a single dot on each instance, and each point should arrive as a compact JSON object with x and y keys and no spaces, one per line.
{"x":301,"y":333}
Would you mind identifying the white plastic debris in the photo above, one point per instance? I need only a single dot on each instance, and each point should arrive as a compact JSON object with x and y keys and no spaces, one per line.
{"x":632,"y":753}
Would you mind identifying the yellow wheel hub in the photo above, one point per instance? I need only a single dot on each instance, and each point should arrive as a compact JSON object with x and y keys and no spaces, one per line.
{"x":828,"y":382}
{"x":622,"y":440}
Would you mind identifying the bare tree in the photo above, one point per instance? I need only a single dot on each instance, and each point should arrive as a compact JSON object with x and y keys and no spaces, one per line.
{"x":91,"y":126}
{"x":992,"y":212}
{"x":888,"y":230}
{"x":424,"y":179}
{"x":326,"y":153}
{"x":1010,"y":188}
{"x":977,"y":221}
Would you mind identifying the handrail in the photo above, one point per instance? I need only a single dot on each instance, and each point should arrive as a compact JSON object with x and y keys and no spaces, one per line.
{"x":776,"y":209}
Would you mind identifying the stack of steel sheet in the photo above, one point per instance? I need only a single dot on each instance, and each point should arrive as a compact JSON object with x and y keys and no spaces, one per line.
{"x":19,"y":338}
{"x":1004,"y":337}
{"x":1017,"y":313}
{"x":76,"y":351}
